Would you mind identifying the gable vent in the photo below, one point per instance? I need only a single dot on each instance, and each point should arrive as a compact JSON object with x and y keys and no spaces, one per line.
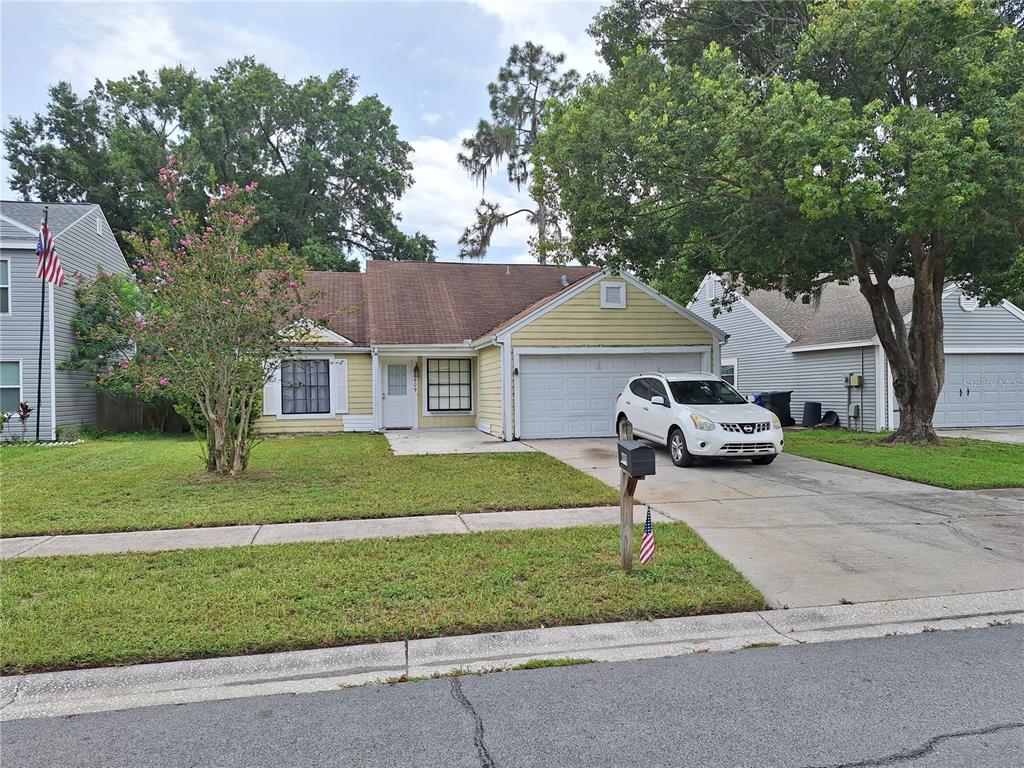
{"x":969,"y":303}
{"x":99,"y":226}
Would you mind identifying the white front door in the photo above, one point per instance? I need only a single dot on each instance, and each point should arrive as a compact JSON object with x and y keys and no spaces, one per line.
{"x":398,"y":393}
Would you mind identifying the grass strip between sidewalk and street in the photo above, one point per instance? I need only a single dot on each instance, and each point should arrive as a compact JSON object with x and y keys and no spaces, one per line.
{"x":98,"y":610}
{"x":146,"y":482}
{"x":954,"y":462}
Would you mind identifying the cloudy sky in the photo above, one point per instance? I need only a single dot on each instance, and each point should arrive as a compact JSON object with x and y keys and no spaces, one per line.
{"x":429,"y":61}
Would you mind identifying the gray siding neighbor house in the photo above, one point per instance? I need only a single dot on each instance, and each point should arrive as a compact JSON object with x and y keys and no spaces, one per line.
{"x":811,"y":349}
{"x":84,"y":244}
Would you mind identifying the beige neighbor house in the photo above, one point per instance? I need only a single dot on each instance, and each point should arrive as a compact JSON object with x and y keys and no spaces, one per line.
{"x":516,"y":351}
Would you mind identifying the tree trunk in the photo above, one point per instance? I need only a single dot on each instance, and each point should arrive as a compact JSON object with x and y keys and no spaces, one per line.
{"x":915,"y":354}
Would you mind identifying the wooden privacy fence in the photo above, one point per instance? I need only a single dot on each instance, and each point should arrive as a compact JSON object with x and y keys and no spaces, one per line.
{"x":121,"y":413}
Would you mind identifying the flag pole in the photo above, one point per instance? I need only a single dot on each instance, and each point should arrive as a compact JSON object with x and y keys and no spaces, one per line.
{"x":42,"y":318}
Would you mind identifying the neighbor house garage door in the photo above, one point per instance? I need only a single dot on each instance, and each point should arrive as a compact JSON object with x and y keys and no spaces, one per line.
{"x":574,"y":395}
{"x":982,"y":391}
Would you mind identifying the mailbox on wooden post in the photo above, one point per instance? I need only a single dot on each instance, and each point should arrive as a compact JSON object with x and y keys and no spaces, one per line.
{"x":636,"y":461}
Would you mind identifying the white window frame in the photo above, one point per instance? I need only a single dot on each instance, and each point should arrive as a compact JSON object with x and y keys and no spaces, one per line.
{"x":608,"y":304}
{"x":735,"y":370}
{"x":21,"y":378}
{"x":337,"y":371}
{"x":10,"y":302}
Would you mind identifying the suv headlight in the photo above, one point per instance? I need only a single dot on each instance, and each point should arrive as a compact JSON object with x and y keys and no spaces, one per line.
{"x":702,"y":423}
{"x":776,"y":424}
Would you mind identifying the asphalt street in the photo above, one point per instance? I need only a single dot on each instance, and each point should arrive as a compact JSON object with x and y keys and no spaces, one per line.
{"x":946,"y":699}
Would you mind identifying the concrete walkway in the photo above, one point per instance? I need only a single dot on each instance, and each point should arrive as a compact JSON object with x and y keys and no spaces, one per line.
{"x":182,"y":682}
{"x":282,"y":533}
{"x":426,"y":442}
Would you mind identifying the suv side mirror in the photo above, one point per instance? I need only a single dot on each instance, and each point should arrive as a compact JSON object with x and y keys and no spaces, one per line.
{"x":658,"y":400}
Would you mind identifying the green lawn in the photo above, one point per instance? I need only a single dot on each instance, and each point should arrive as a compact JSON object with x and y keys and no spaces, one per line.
{"x":142,"y":482}
{"x":952,"y":463}
{"x":69,"y":612}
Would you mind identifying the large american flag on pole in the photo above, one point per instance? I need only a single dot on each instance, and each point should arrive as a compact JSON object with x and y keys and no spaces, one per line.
{"x":49,"y":267}
{"x":647,"y":542}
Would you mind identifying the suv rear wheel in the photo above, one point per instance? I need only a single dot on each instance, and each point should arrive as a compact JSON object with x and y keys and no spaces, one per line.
{"x":681,"y":455}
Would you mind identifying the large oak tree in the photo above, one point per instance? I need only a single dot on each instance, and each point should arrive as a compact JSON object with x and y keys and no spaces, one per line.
{"x":330,"y":164}
{"x":792,"y":144}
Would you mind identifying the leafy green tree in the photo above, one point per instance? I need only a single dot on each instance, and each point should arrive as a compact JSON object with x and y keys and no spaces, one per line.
{"x":201,"y":320}
{"x":529,"y":79}
{"x":330,"y":165}
{"x":874,"y":139}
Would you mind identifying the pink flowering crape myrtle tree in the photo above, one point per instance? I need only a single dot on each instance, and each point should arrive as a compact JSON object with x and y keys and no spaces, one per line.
{"x":211,"y":312}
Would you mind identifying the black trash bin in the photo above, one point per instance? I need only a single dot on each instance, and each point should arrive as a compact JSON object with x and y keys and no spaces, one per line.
{"x":812,"y":414}
{"x":779,"y":404}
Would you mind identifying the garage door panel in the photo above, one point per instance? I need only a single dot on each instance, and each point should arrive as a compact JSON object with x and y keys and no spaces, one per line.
{"x":574,"y":395}
{"x":982,"y":390}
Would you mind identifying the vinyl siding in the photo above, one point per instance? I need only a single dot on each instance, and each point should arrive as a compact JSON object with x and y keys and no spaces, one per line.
{"x":445,"y":420}
{"x":582,"y":322}
{"x":83,"y":250}
{"x":19,"y":341}
{"x":360,"y":384}
{"x":489,"y":398}
{"x":991,"y":326}
{"x":764,"y":364}
{"x":360,"y":403}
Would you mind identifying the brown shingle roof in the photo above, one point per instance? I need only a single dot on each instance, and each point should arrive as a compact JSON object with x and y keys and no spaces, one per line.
{"x":343,"y":296}
{"x":447,"y":303}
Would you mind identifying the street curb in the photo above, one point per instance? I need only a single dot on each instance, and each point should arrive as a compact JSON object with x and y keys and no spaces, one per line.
{"x":75,"y":692}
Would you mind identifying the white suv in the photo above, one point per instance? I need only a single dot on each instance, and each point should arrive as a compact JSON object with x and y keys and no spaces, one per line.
{"x":698,"y":414}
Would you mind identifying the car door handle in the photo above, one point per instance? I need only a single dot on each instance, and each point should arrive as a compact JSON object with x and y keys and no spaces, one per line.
{"x":968,"y":391}
{"x":646,"y":408}
{"x":961,"y":391}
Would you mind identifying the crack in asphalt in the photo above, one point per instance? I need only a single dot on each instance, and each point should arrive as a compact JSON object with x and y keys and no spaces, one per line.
{"x":486,"y":761}
{"x":926,"y":748}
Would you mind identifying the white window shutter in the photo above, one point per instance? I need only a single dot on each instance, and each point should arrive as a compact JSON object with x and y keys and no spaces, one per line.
{"x":272,"y":391}
{"x":339,"y":385}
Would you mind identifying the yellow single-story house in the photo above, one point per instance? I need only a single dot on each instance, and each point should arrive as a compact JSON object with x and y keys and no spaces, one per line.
{"x":514,"y":350}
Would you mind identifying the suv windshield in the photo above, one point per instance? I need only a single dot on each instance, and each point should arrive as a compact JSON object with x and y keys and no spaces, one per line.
{"x":705,"y":392}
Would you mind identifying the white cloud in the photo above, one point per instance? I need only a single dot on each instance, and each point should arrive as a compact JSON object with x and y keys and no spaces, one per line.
{"x":431,"y":118}
{"x":108,"y":42}
{"x":560,"y":27}
{"x":442,"y":199}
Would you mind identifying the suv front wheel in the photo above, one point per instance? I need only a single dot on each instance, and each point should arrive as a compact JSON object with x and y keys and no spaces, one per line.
{"x":677,"y":449}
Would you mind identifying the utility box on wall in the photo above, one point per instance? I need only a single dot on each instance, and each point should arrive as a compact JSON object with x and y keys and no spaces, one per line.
{"x":855,"y":380}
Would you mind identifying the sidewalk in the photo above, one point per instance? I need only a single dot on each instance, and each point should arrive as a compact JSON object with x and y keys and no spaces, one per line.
{"x":97,"y":690}
{"x":281,"y":533}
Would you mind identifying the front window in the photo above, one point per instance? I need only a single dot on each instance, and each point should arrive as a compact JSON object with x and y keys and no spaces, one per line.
{"x":305,"y":386}
{"x":705,"y":392}
{"x":729,"y":372}
{"x":5,"y":287}
{"x":10,"y":386}
{"x":450,"y":384}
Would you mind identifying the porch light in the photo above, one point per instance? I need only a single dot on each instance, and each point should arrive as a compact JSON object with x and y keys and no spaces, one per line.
{"x":416,"y":371}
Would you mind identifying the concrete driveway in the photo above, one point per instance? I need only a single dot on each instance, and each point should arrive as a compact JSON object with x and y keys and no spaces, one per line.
{"x":810,"y":533}
{"x":997,"y":434}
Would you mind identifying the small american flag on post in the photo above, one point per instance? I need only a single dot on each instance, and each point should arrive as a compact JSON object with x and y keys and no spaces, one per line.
{"x":49,"y":267}
{"x":647,"y":543}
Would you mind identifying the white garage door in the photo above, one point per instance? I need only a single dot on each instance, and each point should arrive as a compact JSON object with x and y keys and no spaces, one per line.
{"x":574,"y":395}
{"x":982,"y":391}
